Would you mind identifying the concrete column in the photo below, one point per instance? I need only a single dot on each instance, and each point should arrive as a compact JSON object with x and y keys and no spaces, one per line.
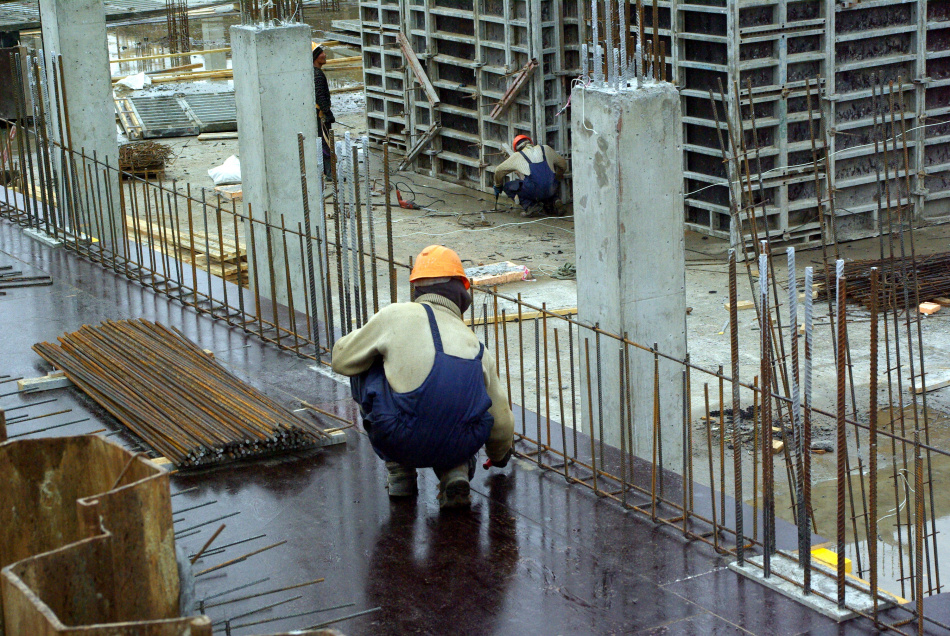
{"x":76,"y":29}
{"x":628,"y":204}
{"x":273,"y":89}
{"x":212,"y":35}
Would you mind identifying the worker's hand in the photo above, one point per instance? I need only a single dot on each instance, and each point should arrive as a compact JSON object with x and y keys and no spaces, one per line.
{"x":498,"y":190}
{"x":501,"y":463}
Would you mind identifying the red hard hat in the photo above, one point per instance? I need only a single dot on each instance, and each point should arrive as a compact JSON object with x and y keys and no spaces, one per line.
{"x":518,"y":139}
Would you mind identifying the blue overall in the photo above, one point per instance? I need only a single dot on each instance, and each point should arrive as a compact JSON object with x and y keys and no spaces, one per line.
{"x":441,"y":424}
{"x":538,"y":187}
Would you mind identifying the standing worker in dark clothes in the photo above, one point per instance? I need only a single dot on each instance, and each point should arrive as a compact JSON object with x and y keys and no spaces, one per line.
{"x":427,"y":389}
{"x":321,"y":90}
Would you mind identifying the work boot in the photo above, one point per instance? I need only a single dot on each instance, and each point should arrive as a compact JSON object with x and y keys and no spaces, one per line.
{"x":535,"y":209}
{"x":454,"y":488}
{"x":400,"y":481}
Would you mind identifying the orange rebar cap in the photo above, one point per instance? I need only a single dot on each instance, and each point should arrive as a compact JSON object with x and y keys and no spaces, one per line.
{"x":518,"y":139}
{"x":437,"y":261}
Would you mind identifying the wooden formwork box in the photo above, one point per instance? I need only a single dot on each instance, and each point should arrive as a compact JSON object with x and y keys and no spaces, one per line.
{"x":782,"y":46}
{"x":81,"y":553}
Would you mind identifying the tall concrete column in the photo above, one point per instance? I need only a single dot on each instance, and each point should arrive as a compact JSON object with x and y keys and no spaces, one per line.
{"x":76,"y":29}
{"x":212,"y":35}
{"x":628,"y":208}
{"x":273,"y":90}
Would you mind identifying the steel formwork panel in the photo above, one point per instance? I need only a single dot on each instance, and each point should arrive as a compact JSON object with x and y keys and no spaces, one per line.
{"x":778,"y":46}
{"x":470,"y":51}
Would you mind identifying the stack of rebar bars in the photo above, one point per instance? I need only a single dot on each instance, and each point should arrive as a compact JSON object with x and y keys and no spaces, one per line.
{"x":174,"y":396}
{"x":931,"y":274}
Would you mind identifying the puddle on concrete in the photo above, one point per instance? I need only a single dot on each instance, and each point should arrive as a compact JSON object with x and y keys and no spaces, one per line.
{"x":895,"y":552}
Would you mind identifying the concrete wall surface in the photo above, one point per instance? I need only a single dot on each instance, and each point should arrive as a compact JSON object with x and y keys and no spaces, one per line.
{"x":76,"y":30}
{"x":628,"y":202}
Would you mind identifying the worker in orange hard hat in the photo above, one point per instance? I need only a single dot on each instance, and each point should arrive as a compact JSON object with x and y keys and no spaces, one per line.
{"x":427,"y":388}
{"x":321,"y":90}
{"x":541,"y":169}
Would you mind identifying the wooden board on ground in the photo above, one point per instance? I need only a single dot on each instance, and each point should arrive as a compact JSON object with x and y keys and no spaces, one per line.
{"x":496,"y":274}
{"x":217,"y":137}
{"x":230,"y":192}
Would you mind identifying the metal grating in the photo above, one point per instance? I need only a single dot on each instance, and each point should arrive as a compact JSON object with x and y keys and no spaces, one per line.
{"x":163,"y":116}
{"x":214,"y":112}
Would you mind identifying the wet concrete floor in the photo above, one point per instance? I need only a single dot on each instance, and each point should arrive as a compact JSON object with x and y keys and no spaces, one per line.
{"x":533,"y":555}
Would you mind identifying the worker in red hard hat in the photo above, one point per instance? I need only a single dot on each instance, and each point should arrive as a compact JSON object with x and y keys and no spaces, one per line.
{"x":541,"y":169}
{"x":427,"y":388}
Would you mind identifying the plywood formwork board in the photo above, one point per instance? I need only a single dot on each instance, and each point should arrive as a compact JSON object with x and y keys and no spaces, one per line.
{"x":84,"y":491}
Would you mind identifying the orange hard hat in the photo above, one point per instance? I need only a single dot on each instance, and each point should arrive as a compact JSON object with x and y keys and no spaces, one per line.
{"x":437,"y":261}
{"x":519,"y":139}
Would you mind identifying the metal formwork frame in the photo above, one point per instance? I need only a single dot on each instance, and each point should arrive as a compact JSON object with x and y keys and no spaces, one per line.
{"x":779,"y":45}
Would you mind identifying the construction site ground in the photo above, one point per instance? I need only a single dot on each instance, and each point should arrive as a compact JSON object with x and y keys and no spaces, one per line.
{"x":534,"y":554}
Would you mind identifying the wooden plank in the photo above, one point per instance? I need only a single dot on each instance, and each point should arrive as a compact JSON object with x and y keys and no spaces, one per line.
{"x":529,"y":315}
{"x":512,"y":92}
{"x":52,"y":380}
{"x":417,"y":69}
{"x":217,"y":136}
{"x":424,"y":141}
{"x":164,"y":55}
{"x":931,"y":387}
{"x":742,"y":304}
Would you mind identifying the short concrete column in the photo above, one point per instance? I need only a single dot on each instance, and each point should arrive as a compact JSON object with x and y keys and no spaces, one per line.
{"x":212,"y":36}
{"x":628,"y":204}
{"x":273,"y":89}
{"x":76,"y":30}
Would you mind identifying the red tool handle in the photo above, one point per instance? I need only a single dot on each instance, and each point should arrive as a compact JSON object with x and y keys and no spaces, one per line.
{"x":488,"y":464}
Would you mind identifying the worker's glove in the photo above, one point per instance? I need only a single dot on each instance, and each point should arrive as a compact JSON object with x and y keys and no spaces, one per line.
{"x":498,"y":190}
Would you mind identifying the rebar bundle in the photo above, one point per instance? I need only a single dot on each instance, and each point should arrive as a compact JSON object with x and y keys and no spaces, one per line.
{"x":930,"y":274}
{"x":174,"y":396}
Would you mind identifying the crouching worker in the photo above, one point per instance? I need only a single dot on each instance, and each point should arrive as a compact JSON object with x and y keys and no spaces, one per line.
{"x":541,"y":169}
{"x":426,"y":387}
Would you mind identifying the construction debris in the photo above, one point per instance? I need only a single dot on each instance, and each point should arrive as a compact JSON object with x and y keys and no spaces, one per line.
{"x":10,"y":278}
{"x":143,"y":157}
{"x":175,"y":397}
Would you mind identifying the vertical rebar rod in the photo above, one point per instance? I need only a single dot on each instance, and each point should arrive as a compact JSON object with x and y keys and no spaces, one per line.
{"x":292,"y":314}
{"x":712,"y":498}
{"x":595,"y":29}
{"x":547,"y":375}
{"x":768,"y":484}
{"x":841,"y":449}
{"x":311,"y":274}
{"x":656,"y":431}
{"x":358,"y":227}
{"x":273,"y":282}
{"x":736,"y":407}
{"x":590,"y":410}
{"x":389,"y":225}
{"x":796,"y":399}
{"x":537,"y":385}
{"x":623,"y":433}
{"x":805,"y":556}
{"x":923,"y":381}
{"x":872,"y":446}
{"x":560,"y":396}
{"x":371,"y":221}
